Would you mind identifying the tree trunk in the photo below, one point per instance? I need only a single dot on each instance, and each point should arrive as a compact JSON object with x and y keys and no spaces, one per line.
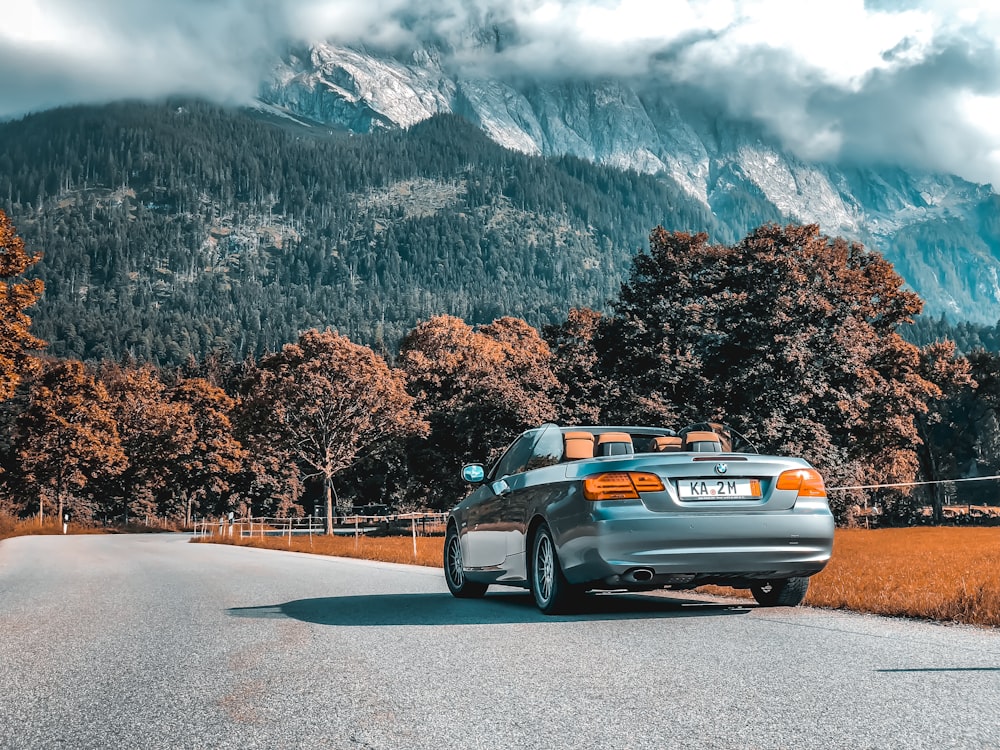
{"x":59,"y":497}
{"x":328,"y":492}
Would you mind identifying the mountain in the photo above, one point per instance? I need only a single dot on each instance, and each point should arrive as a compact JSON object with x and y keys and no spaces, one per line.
{"x":366,"y":192}
{"x":941,"y":232}
{"x":183,"y":228}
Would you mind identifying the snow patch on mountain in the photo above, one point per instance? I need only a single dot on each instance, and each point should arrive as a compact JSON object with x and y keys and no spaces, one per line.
{"x":798,"y":190}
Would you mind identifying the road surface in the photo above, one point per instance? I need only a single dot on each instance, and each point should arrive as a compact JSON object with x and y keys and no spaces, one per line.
{"x":152,"y":642}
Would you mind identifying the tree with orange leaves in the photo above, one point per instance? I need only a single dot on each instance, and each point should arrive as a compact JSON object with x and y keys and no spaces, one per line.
{"x":477,"y":388}
{"x":788,"y":335}
{"x":66,"y":439}
{"x":15,"y":297}
{"x":328,"y":401}
{"x":574,"y":361}
{"x":203,"y":475}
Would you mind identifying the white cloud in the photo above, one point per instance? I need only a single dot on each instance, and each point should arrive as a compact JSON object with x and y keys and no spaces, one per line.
{"x":910,"y":81}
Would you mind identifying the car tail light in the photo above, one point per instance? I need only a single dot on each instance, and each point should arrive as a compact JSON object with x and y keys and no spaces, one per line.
{"x":808,"y":482}
{"x":646,"y":482}
{"x":620,"y":485}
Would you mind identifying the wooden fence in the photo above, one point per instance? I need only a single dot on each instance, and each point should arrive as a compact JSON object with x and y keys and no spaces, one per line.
{"x":397,"y":524}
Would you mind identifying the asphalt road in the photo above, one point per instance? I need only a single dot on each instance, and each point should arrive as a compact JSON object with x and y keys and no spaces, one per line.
{"x":151,"y":642}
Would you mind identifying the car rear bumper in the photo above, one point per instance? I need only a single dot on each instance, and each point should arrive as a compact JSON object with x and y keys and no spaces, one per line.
{"x":629,"y":546}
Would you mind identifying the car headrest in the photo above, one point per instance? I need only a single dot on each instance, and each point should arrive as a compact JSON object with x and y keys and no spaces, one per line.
{"x":578,"y":445}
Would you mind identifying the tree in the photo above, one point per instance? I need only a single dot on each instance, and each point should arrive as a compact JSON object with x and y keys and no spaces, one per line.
{"x":788,"y":335}
{"x":574,"y":363}
{"x":15,"y":297}
{"x":66,"y":439}
{"x":156,"y":435}
{"x":207,"y":471}
{"x":477,"y":389}
{"x":329,"y":401}
{"x":944,"y":443}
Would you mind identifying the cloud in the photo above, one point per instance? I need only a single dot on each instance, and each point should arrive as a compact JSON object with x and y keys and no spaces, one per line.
{"x":913,"y":82}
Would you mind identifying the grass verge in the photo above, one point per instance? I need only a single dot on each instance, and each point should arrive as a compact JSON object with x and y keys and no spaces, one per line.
{"x":946,"y":574}
{"x":397,"y":549}
{"x":11,"y":526}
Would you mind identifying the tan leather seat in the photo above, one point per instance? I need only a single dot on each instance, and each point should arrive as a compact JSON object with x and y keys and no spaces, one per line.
{"x":614,"y":444}
{"x":667,"y":443}
{"x":702,"y":442}
{"x":578,"y":445}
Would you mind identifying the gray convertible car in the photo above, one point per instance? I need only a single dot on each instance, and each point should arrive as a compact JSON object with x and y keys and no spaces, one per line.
{"x":566,"y":510}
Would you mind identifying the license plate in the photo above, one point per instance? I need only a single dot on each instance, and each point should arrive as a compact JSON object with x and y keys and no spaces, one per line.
{"x":718,"y":489}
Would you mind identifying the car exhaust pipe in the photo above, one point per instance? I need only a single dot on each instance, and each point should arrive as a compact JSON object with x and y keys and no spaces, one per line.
{"x":641,"y":575}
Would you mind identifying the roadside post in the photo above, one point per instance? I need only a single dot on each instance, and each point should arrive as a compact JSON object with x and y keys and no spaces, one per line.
{"x":413,"y":526}
{"x":65,"y":523}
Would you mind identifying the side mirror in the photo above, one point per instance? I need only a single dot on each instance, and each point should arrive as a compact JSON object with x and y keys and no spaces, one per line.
{"x":473,"y":473}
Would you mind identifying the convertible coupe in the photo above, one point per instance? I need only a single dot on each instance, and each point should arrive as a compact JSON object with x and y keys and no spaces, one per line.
{"x":566,"y":510}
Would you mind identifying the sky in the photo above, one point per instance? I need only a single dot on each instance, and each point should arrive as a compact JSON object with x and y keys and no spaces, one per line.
{"x":909,"y":82}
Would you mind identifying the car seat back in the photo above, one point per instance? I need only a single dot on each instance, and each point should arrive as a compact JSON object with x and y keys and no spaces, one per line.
{"x":702,"y":442}
{"x":578,"y":445}
{"x":614,"y":444}
{"x":667,"y":443}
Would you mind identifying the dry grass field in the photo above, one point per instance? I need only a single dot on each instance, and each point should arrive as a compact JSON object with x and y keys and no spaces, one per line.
{"x":937,"y":573}
{"x":397,"y":549}
{"x":940,"y":573}
{"x":10,"y":526}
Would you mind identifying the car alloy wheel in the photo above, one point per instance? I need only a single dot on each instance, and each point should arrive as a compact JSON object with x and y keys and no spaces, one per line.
{"x":553,"y":593}
{"x":544,"y":573}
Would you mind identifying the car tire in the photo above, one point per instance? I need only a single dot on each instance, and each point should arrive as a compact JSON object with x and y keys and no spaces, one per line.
{"x":784,"y":592}
{"x":454,"y":573}
{"x":553,"y":593}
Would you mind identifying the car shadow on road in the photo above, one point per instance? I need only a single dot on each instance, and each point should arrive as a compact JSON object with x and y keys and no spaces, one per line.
{"x":443,"y":609}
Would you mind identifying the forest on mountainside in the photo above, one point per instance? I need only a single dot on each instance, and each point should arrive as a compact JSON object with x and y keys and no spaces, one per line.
{"x":181,"y":229}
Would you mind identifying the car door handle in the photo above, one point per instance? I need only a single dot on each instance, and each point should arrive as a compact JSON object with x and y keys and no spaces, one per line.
{"x":500,"y":487}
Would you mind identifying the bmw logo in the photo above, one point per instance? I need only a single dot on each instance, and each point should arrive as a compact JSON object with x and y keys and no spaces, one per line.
{"x":721,"y":468}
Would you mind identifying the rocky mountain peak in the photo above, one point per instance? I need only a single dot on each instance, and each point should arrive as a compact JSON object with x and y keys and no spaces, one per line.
{"x":925,"y":223}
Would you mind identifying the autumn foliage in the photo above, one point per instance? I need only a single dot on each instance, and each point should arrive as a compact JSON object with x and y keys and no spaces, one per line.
{"x":16,"y":295}
{"x":325,"y":402}
{"x":789,"y":336}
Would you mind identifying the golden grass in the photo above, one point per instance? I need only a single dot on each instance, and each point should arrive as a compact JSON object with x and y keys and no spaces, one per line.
{"x":933,"y":572}
{"x":11,"y":526}
{"x":947,"y":574}
{"x":397,"y":549}
{"x":936,"y":573}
